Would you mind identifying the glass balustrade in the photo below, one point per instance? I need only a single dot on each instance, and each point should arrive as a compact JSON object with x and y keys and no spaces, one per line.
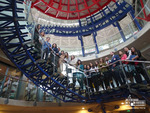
{"x":132,"y":75}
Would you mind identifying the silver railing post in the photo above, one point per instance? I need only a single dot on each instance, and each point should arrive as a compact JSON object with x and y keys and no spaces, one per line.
{"x":143,"y":64}
{"x":8,"y":90}
{"x":36,"y":98}
{"x":87,"y":87}
{"x":2,"y":86}
{"x":130,"y":29}
{"x":67,"y":71}
{"x":126,"y":79}
{"x":148,"y":8}
{"x":54,"y":65}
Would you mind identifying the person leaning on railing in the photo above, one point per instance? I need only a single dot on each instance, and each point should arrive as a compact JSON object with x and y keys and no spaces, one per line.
{"x":105,"y":75}
{"x":127,"y":52}
{"x":96,"y":66}
{"x":116,"y":69}
{"x":95,"y":76}
{"x":46,"y":48}
{"x":55,"y":56}
{"x":110,"y":77}
{"x":67,"y":59}
{"x":42,"y":41}
{"x":61,"y":61}
{"x":89,"y":80}
{"x":73,"y":60}
{"x":136,"y":55}
{"x":126,"y":65}
{"x":80,"y":76}
{"x":102,"y":69}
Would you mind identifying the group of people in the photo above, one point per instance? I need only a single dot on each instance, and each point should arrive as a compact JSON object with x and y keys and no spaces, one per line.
{"x":108,"y":73}
{"x":102,"y":73}
{"x":47,"y":51}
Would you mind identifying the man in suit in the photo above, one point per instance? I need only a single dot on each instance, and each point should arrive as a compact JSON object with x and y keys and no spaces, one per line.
{"x":116,"y":69}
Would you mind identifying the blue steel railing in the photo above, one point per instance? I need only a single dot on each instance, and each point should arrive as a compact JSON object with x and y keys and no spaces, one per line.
{"x":112,"y":40}
{"x":93,"y":23}
{"x":135,"y":73}
{"x":19,"y":49}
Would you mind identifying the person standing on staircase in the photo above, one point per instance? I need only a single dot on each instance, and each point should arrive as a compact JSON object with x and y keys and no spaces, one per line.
{"x":37,"y":43}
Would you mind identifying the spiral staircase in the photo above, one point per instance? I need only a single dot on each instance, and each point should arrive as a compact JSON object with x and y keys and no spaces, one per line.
{"x":17,"y":45}
{"x":103,"y":18}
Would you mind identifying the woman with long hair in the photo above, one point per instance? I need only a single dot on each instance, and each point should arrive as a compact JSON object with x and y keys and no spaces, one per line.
{"x":41,"y":40}
{"x":122,"y":55}
{"x":138,"y":66}
{"x":61,"y":61}
{"x":73,"y":60}
{"x":54,"y":56}
{"x":137,"y":54}
{"x":79,"y":76}
{"x":67,"y":60}
{"x":96,"y":66}
{"x":102,"y":69}
{"x":89,"y":80}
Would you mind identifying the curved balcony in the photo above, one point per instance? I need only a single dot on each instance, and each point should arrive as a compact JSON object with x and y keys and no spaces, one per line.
{"x":18,"y":47}
{"x":96,"y":22}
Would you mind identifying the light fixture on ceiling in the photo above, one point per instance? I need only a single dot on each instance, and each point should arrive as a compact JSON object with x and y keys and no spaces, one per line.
{"x":83,"y":108}
{"x":122,"y":103}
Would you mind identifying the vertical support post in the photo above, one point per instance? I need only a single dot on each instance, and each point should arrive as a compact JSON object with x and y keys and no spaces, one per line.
{"x":22,"y":85}
{"x":131,"y":30}
{"x":40,"y":95}
{"x":95,"y":42}
{"x":80,"y":38}
{"x":54,"y":63}
{"x":133,"y":110}
{"x":8,"y":90}
{"x":36,"y":99}
{"x":80,"y":30}
{"x":103,"y":109}
{"x":135,"y":20}
{"x":142,"y":4}
{"x":116,"y":24}
{"x":82,"y":45}
{"x":4,"y":80}
{"x":94,"y":37}
{"x":126,"y":79}
{"x":67,"y":71}
{"x":88,"y":88}
{"x":144,"y":67}
{"x":28,"y":6}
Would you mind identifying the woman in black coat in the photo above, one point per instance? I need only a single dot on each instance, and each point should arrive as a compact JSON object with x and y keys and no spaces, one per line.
{"x":138,"y":66}
{"x":37,"y":43}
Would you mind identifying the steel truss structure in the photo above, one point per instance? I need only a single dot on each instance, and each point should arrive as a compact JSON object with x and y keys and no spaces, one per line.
{"x":16,"y":44}
{"x":70,"y":9}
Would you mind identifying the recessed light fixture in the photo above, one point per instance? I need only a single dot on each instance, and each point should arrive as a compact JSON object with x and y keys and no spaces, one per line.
{"x":83,"y":108}
{"x":122,"y":103}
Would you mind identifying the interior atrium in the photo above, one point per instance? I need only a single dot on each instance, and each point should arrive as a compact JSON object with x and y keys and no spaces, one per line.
{"x":75,"y":56}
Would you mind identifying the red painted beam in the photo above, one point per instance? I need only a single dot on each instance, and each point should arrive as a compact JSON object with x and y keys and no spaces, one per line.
{"x":35,"y":3}
{"x":142,"y":4}
{"x":50,"y":7}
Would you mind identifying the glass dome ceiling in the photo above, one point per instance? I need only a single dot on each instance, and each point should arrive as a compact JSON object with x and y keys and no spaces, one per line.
{"x":106,"y":38}
{"x":70,"y":9}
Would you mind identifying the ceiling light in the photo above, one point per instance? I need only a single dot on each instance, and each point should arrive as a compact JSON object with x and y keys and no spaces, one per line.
{"x":122,"y":103}
{"x":83,"y":108}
